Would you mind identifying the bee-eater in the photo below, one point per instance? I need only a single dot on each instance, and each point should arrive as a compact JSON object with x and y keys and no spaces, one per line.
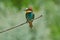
{"x":29,"y":16}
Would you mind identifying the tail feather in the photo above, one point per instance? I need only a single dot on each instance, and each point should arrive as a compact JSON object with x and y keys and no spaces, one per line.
{"x":30,"y":24}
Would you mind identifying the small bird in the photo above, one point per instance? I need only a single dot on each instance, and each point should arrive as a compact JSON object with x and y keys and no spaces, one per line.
{"x":29,"y":16}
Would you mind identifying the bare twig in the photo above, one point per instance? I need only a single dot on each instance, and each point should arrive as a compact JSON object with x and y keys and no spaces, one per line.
{"x":17,"y":25}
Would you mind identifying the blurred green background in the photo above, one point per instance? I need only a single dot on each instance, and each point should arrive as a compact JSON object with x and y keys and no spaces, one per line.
{"x":46,"y":28}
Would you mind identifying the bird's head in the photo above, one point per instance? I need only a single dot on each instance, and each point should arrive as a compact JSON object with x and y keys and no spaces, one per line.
{"x":28,"y":10}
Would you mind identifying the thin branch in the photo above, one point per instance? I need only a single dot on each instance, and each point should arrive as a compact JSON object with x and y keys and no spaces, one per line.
{"x":17,"y":25}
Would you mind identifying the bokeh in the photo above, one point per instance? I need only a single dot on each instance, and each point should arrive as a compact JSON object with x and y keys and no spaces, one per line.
{"x":45,"y":28}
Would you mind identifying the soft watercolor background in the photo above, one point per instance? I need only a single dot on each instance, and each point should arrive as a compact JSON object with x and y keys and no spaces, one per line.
{"x":45,"y":28}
